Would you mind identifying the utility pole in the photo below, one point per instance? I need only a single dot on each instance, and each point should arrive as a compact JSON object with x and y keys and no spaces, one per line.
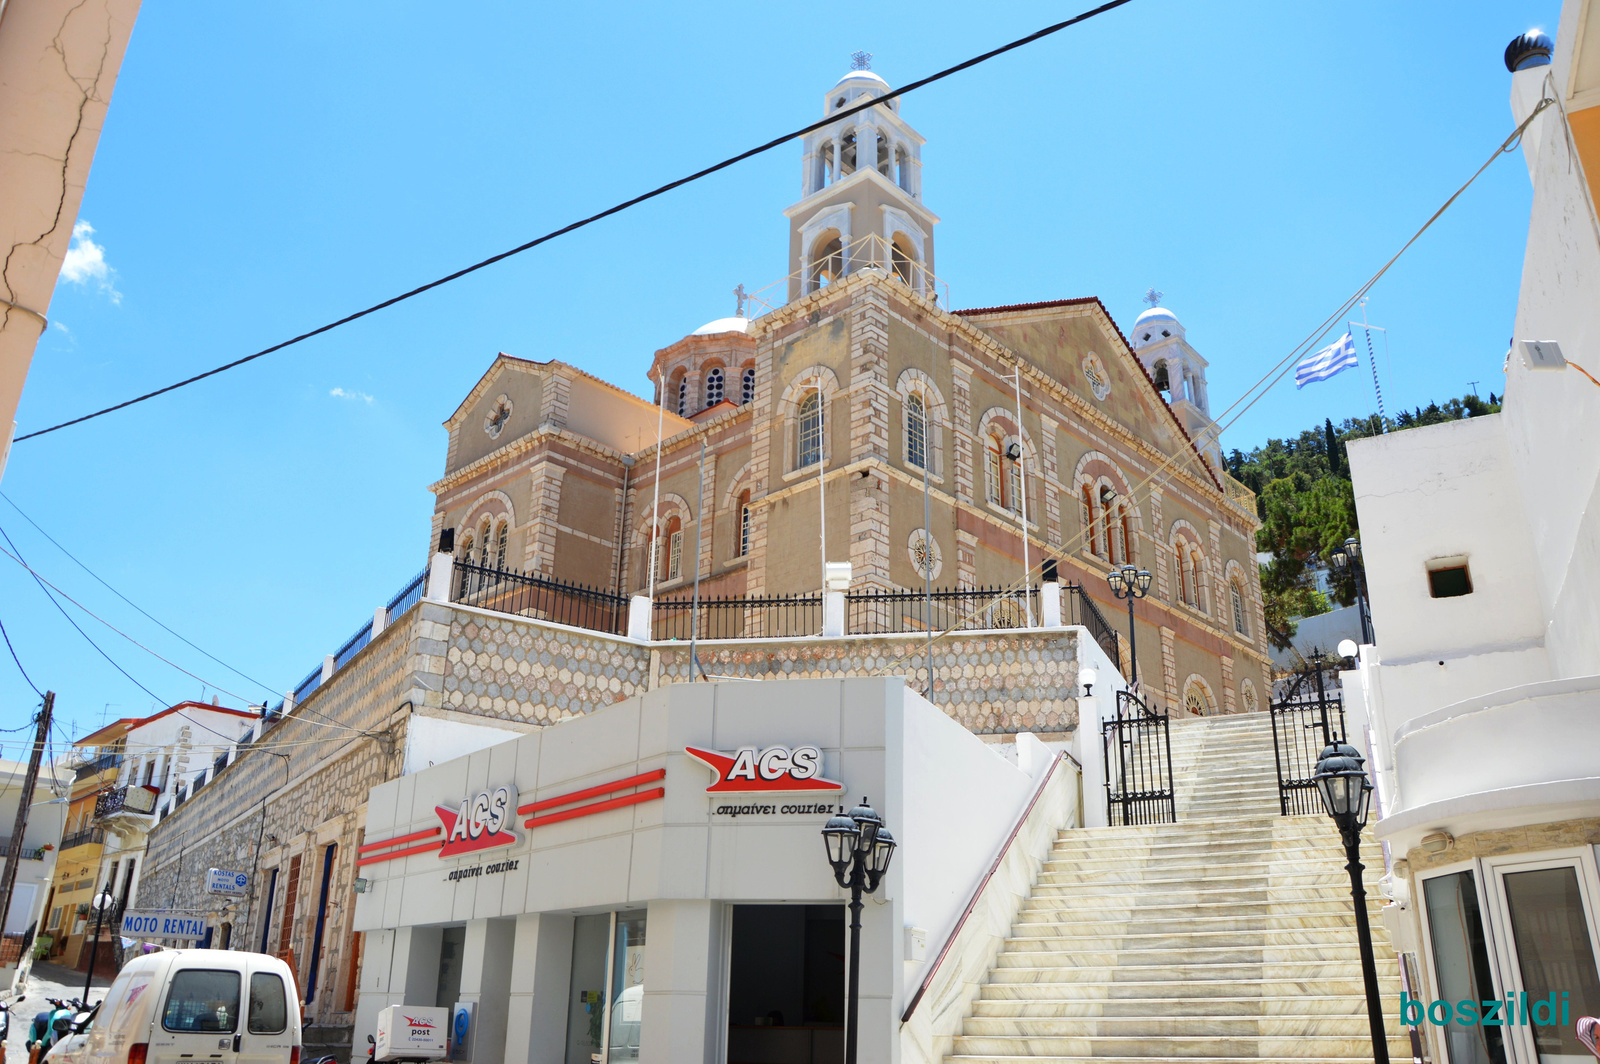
{"x":14,"y":851}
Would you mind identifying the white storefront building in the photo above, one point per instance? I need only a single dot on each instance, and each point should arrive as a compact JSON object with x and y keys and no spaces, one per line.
{"x":625,"y":898}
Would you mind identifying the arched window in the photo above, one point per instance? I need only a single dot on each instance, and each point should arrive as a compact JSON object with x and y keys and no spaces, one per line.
{"x":1091,"y":533}
{"x":1238,"y":607}
{"x":903,"y":260}
{"x":714,"y":386}
{"x":674,"y":549}
{"x":500,"y":544}
{"x":1127,"y":537}
{"x":902,"y":166}
{"x":1182,"y":575}
{"x":847,"y":154}
{"x":747,"y":385}
{"x":994,"y":458}
{"x":485,"y":542}
{"x":1013,"y":500}
{"x":1194,"y":567}
{"x":744,"y":524}
{"x":466,"y":549}
{"x":827,"y":261}
{"x":1197,"y":700}
{"x":809,"y":435}
{"x":916,"y":431}
{"x":885,"y":166}
{"x":1115,"y":547}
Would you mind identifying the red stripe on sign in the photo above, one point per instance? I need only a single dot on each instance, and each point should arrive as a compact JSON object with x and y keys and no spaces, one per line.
{"x":594,"y":792}
{"x":427,"y":847}
{"x":398,"y":839}
{"x":597,"y":807}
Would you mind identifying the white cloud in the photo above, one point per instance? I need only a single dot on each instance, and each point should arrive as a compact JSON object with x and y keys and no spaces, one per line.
{"x":86,"y":261}
{"x":340,"y":393}
{"x":62,"y":326}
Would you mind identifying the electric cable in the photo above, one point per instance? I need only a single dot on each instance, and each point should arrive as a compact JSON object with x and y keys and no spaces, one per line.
{"x":591,"y":219}
{"x":25,"y":676}
{"x":12,"y":503}
{"x":1273,"y":375}
{"x":18,"y":559}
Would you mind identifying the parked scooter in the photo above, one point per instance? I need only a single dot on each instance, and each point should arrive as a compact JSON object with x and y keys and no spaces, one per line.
{"x":72,"y":1035}
{"x":48,"y":1025}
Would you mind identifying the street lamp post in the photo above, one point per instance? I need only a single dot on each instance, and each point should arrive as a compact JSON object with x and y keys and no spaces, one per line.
{"x":1347,"y":797}
{"x":859,"y":848}
{"x":1349,"y":556}
{"x":1130,"y":583}
{"x":100,"y":903}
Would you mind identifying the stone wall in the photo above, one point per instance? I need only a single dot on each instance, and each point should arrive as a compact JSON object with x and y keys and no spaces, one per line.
{"x":303,"y":786}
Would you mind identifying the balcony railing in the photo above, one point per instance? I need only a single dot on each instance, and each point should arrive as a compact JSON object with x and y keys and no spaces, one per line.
{"x":86,"y":837}
{"x":123,"y":800}
{"x":98,"y":764}
{"x":1238,"y":493}
{"x":737,"y":618}
{"x":34,"y":854}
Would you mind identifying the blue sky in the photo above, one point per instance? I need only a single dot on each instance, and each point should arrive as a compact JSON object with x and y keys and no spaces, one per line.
{"x":264,"y":170}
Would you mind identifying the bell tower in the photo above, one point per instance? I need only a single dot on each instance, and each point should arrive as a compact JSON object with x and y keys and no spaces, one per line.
{"x":1163,"y":349}
{"x":860,"y":192}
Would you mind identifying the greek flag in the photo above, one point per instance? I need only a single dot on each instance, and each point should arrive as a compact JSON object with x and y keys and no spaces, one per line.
{"x":1337,"y":356}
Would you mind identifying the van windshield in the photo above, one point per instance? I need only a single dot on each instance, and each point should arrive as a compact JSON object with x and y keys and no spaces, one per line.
{"x":202,"y":1001}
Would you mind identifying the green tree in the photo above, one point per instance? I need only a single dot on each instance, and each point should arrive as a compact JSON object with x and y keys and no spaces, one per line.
{"x":1307,"y":508}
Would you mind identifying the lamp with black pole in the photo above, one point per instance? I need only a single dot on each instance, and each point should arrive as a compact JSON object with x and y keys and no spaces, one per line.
{"x":859,"y":848}
{"x":1349,"y":557}
{"x":1130,"y":582}
{"x":1347,"y":796}
{"x":100,"y":903}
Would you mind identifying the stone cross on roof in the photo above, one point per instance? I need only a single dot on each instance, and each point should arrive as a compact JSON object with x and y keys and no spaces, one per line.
{"x":1153,"y":297}
{"x":860,"y":60}
{"x":741,"y":295}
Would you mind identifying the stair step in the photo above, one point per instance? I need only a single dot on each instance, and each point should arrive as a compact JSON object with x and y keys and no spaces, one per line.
{"x":1143,"y":1008}
{"x":1165,"y":1046}
{"x":1168,"y":990}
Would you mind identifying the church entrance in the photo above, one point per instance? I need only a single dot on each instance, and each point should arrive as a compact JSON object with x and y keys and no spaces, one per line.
{"x":786,"y":985}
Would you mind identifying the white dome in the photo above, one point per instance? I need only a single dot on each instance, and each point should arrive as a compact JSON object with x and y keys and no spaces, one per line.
{"x":1155,"y":314}
{"x":722,"y":325}
{"x":862,"y":75}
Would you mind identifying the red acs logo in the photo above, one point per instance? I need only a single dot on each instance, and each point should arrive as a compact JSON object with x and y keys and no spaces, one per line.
{"x":777,"y":769}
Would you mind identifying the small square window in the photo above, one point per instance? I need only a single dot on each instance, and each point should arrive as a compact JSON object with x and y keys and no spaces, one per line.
{"x":1449,"y":580}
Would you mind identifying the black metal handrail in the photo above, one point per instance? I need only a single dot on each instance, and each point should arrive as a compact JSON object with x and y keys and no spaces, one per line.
{"x":1137,"y":743}
{"x":737,"y":618}
{"x":1306,"y":718}
{"x":531,"y":595}
{"x":1086,"y":613}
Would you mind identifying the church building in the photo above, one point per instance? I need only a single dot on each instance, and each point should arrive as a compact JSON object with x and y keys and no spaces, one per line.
{"x":849,"y":414}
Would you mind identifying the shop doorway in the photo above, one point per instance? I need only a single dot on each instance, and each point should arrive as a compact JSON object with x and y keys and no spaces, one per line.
{"x":786,"y":985}
{"x":605,"y":1004}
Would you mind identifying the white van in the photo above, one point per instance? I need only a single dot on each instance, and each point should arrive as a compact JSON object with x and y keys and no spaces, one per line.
{"x":198,"y":1006}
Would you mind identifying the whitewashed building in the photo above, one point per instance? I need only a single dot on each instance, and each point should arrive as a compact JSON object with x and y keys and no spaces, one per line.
{"x":1481,"y":699}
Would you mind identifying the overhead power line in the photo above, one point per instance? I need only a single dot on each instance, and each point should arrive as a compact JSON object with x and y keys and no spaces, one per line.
{"x":591,"y":219}
{"x":7,"y":636}
{"x":126,"y":599}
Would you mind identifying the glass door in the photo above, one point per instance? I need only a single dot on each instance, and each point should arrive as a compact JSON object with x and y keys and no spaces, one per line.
{"x":605,"y":1006}
{"x":1546,"y":919}
{"x":1460,"y":955}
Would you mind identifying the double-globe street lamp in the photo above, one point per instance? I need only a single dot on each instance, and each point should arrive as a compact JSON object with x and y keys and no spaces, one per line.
{"x":859,"y":848}
{"x":1347,"y":797}
{"x":1130,"y":583}
{"x":1349,"y":557}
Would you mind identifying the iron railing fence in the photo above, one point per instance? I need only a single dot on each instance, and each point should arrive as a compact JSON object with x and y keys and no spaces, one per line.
{"x":530,"y":595}
{"x":408,"y":597}
{"x":352,"y":646}
{"x":1307,"y":716}
{"x":772,"y":616}
{"x":1079,"y":608}
{"x":132,"y":799}
{"x":1138,"y":755}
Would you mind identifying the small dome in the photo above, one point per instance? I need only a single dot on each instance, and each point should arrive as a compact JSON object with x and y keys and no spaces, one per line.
{"x":1154,"y":314}
{"x":865,"y":76}
{"x":722,"y":325}
{"x":1532,"y":49}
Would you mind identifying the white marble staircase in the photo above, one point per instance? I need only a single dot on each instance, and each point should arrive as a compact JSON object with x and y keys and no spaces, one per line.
{"x":1226,"y":936}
